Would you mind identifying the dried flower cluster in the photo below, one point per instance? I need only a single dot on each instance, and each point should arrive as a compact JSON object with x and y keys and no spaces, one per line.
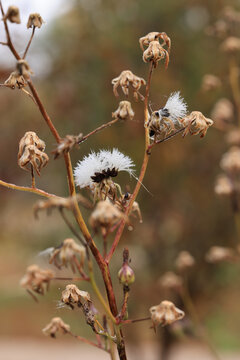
{"x":126,"y":80}
{"x":155,"y":50}
{"x":31,"y":152}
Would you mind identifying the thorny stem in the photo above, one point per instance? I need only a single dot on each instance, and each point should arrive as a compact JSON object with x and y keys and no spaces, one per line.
{"x":142,"y":172}
{"x":27,"y":189}
{"x":29,"y":43}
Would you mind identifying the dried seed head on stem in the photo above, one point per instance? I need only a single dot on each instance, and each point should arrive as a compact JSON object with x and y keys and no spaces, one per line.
{"x":36,"y":279}
{"x":124,"y":111}
{"x":12,"y":15}
{"x":56,"y":325}
{"x":126,"y":80}
{"x":165,"y":314}
{"x":35,"y":20}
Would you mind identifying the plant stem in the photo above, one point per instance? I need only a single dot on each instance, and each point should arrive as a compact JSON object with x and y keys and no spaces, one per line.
{"x":29,"y":43}
{"x":98,"y":129}
{"x":27,"y":189}
{"x":234,"y":83}
{"x":9,"y":41}
{"x":142,"y":172}
{"x":87,"y":341}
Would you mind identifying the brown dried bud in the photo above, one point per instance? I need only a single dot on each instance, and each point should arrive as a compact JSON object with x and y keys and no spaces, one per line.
{"x":60,"y":203}
{"x":66,"y":144}
{"x":165,"y":313}
{"x":35,"y":279}
{"x":24,"y":69}
{"x":104,"y":216}
{"x":224,"y":185}
{"x":35,"y":20}
{"x":124,"y":111}
{"x":69,"y":253}
{"x":13,"y":15}
{"x":222,"y":113}
{"x":210,"y":82}
{"x":72,"y":295}
{"x":155,"y":52}
{"x":196,"y":123}
{"x":233,"y":137}
{"x":155,"y":36}
{"x":184,"y":261}
{"x":125,"y":80}
{"x":15,"y":80}
{"x":31,"y":153}
{"x":170,"y":281}
{"x":230,"y":45}
{"x":218,"y":254}
{"x":56,"y":326}
{"x":230,"y":161}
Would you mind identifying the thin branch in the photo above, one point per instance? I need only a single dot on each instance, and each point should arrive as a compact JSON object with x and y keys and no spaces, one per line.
{"x":70,"y":278}
{"x":125,"y":322}
{"x":9,"y":41}
{"x":98,"y":129}
{"x":27,"y":189}
{"x":29,"y":43}
{"x":75,"y":233}
{"x":166,"y":138}
{"x":86,"y":341}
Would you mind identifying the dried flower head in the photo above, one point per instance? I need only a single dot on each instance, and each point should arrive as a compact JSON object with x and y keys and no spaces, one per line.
{"x":15,"y":80}
{"x":13,"y":15}
{"x":218,"y":254}
{"x":184,"y":261}
{"x":170,"y":281}
{"x":24,"y":69}
{"x":69,"y":253}
{"x":210,"y":82}
{"x":163,"y":121}
{"x":230,"y":161}
{"x":104,"y":216}
{"x":66,"y":144}
{"x":125,"y":80}
{"x":165,"y":313}
{"x":222,"y":113}
{"x":155,"y":36}
{"x":36,"y":279}
{"x":231,"y":45}
{"x":72,"y":295}
{"x":35,"y":20}
{"x":124,"y":111}
{"x":196,"y":123}
{"x":55,"y":326}
{"x":31,"y":152}
{"x":155,"y":52}
{"x":97,"y":170}
{"x":224,"y":185}
{"x":233,"y":137}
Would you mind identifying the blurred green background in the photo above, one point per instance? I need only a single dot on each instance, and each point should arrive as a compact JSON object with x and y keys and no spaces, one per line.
{"x":74,"y":59}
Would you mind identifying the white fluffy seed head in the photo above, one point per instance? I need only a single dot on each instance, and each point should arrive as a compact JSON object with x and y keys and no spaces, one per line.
{"x":99,"y":162}
{"x":176,"y":106}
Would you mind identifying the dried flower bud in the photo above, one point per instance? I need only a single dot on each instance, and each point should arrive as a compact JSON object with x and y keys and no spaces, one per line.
{"x":165,"y":313}
{"x":69,"y":253}
{"x":230,"y":161}
{"x":224,"y":185}
{"x":55,"y":326}
{"x":34,"y":20}
{"x":35,"y":279}
{"x":66,"y":144}
{"x":170,"y":281}
{"x":233,"y":137}
{"x":125,"y":80}
{"x":155,"y":52}
{"x":231,"y":45}
{"x":218,"y":254}
{"x":31,"y":152}
{"x":154,"y":36}
{"x":124,"y":111}
{"x":196,"y":123}
{"x":60,"y":203}
{"x":24,"y":69}
{"x":13,"y":15}
{"x":72,"y":295}
{"x":222,"y":113}
{"x":210,"y":82}
{"x":104,"y":216}
{"x":126,"y":275}
{"x":184,"y":261}
{"x":15,"y":80}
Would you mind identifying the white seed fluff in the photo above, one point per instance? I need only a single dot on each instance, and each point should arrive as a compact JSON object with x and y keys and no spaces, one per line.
{"x":176,"y":106}
{"x":98,"y":162}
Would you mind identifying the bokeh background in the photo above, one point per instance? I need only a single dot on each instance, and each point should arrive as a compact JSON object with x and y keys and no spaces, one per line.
{"x":82,"y":46}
